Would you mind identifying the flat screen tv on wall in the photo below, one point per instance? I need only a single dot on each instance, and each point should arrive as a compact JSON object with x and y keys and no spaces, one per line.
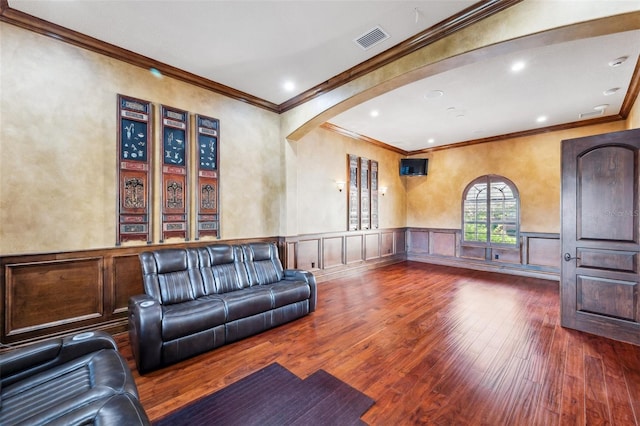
{"x":414,"y":166}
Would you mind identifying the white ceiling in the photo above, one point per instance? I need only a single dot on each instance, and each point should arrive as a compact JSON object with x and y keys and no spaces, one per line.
{"x":256,"y":46}
{"x":486,"y":98}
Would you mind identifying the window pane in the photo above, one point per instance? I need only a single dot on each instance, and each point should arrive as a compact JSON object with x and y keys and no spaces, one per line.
{"x":475,"y":213}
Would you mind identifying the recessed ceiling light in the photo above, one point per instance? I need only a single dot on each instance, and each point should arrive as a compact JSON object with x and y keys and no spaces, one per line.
{"x":611,"y":91}
{"x":289,"y":86}
{"x":431,"y":140}
{"x":601,"y":107}
{"x":374,"y":113}
{"x":541,"y":119}
{"x":518,"y":66}
{"x":618,"y":61}
{"x":433,"y":94}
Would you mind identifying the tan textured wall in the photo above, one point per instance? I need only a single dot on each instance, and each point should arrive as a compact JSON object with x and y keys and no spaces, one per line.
{"x":633,"y":120}
{"x":322,"y":160}
{"x":531,"y":163}
{"x":58,"y":146}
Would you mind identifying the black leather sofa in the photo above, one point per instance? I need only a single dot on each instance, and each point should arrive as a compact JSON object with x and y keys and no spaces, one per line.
{"x":197,"y":299}
{"x":76,"y":380}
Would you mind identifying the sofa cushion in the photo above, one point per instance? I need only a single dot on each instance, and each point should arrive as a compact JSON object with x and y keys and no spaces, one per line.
{"x":222,"y":268}
{"x":246,"y":302}
{"x":263,"y":263}
{"x":175,"y":287}
{"x":183,"y":319}
{"x":172,"y":275}
{"x":287,"y":292}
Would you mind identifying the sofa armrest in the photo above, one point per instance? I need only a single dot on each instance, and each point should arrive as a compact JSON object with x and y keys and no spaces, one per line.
{"x":145,"y":332}
{"x":309,"y":278}
{"x":28,"y":360}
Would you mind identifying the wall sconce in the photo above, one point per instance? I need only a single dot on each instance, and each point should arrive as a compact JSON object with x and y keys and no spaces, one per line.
{"x":340,"y":185}
{"x":383,"y":190}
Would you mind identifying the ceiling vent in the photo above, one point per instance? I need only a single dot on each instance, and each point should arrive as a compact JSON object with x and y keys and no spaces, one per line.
{"x":371,"y":38}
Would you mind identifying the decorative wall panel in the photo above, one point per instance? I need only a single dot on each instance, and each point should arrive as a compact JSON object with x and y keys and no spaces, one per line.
{"x":45,"y":296}
{"x":374,"y":194}
{"x":208,"y":180}
{"x":353,"y":193}
{"x":386,"y":243}
{"x":309,"y":254}
{"x":355,"y":243}
{"x":365,"y":195}
{"x":134,"y":170}
{"x":175,"y":185}
{"x":362,"y":194}
{"x":372,"y":246}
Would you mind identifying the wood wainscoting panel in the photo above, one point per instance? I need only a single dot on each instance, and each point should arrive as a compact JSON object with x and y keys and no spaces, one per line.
{"x":544,"y":252}
{"x":471,"y":252}
{"x":418,"y":241}
{"x":45,"y":295}
{"x":386,"y":243}
{"x":332,"y":248}
{"x":443,"y":243}
{"x":372,"y":246}
{"x":127,"y":280}
{"x":354,"y":245}
{"x":309,"y":254}
{"x":400,"y":241}
{"x":289,"y":262}
{"x":506,"y":255}
{"x":344,"y":252}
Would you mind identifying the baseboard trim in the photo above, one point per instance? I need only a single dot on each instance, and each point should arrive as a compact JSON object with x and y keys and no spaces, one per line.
{"x":353,"y":269}
{"x":518,"y":270}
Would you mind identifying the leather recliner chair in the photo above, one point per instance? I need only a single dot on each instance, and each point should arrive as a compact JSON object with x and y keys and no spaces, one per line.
{"x":76,"y":380}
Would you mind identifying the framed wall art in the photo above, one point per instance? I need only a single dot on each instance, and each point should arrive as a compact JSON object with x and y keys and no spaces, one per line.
{"x":134,"y":170}
{"x":362,"y":193}
{"x":353,"y":193}
{"x":175,"y":185}
{"x":208,"y":181}
{"x":365,"y":195}
{"x":374,"y":194}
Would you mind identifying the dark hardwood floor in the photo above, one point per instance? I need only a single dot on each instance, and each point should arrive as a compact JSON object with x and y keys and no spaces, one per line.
{"x":431,"y":345}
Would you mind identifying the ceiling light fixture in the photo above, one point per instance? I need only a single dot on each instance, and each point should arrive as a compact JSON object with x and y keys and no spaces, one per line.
{"x":433,"y":94}
{"x":611,"y":91}
{"x":618,"y":61}
{"x":518,"y":66}
{"x":374,"y":113}
{"x":431,"y":140}
{"x":601,"y":107}
{"x":541,"y":119}
{"x":289,"y":86}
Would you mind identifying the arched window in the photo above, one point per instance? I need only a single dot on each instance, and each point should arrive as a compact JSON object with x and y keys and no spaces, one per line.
{"x":491,"y":212}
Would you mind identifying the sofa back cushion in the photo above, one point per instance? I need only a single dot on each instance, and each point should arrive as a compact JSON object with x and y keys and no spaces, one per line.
{"x":172,"y":275}
{"x":263,"y":263}
{"x":222,"y":268}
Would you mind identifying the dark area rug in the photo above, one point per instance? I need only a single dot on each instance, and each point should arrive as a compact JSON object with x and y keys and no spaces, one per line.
{"x":276,"y":396}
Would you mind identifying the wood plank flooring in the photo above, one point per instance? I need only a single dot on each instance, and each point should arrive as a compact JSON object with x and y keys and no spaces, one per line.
{"x":431,"y":345}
